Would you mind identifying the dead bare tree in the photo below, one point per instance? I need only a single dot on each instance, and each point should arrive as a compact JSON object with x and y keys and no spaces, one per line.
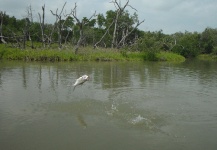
{"x":25,"y":32}
{"x":50,"y":35}
{"x":60,"y":23}
{"x":41,"y":20}
{"x":95,"y":45}
{"x":80,"y":24}
{"x":119,"y":12}
{"x":2,"y":14}
{"x":15,"y":38}
{"x":29,"y":21}
{"x":68,"y":32}
{"x":124,"y":36}
{"x":59,"y":26}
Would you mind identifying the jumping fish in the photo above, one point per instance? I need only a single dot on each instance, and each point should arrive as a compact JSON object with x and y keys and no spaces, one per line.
{"x":80,"y":81}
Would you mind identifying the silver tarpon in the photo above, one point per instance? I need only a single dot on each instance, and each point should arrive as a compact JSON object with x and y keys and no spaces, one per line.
{"x":80,"y":81}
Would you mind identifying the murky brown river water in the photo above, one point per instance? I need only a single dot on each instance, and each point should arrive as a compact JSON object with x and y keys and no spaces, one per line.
{"x":124,"y":106}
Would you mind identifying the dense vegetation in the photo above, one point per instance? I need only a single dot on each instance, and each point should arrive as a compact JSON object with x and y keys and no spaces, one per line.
{"x":116,"y":33}
{"x":85,"y":54}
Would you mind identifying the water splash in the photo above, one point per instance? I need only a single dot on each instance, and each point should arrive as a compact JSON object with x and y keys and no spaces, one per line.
{"x":139,"y":119}
{"x":112,"y":110}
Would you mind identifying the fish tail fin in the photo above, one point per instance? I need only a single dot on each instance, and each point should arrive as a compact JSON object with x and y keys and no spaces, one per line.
{"x":73,"y":87}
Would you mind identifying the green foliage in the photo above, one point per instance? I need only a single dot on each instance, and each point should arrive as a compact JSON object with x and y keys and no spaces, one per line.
{"x":2,"y":50}
{"x":100,"y":20}
{"x":208,"y":40}
{"x":188,"y":45}
{"x":70,"y":29}
{"x":151,"y":56}
{"x":214,"y":50}
{"x":148,"y":44}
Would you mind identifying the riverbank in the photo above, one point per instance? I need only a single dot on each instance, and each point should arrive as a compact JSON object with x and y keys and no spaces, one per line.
{"x":85,"y":54}
{"x":209,"y":57}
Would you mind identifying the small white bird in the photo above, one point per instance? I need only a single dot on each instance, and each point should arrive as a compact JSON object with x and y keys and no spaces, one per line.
{"x":80,"y":81}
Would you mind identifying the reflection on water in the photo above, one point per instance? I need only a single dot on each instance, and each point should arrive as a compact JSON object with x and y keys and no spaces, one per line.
{"x":125,"y":105}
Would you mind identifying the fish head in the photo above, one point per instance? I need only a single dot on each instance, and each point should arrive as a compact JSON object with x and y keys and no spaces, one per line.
{"x":85,"y":77}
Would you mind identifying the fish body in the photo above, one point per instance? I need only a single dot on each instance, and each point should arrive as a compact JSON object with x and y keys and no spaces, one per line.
{"x":80,"y":81}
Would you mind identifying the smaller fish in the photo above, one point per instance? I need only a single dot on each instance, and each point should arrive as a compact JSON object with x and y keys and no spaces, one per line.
{"x":80,"y":81}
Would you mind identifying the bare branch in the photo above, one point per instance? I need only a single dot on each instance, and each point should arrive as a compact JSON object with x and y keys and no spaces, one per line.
{"x":56,"y":14}
{"x":73,"y":12}
{"x":59,"y":26}
{"x":80,"y":24}
{"x":94,"y":15}
{"x":119,"y":12}
{"x":124,"y":37}
{"x":118,"y":5}
{"x":132,"y":7}
{"x":62,"y":8}
{"x":95,"y":45}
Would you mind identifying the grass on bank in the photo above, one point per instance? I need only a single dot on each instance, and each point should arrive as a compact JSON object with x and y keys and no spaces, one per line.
{"x":210,"y":57}
{"x":85,"y":54}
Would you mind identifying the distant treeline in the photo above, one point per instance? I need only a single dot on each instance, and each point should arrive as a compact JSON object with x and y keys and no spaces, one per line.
{"x":116,"y":29}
